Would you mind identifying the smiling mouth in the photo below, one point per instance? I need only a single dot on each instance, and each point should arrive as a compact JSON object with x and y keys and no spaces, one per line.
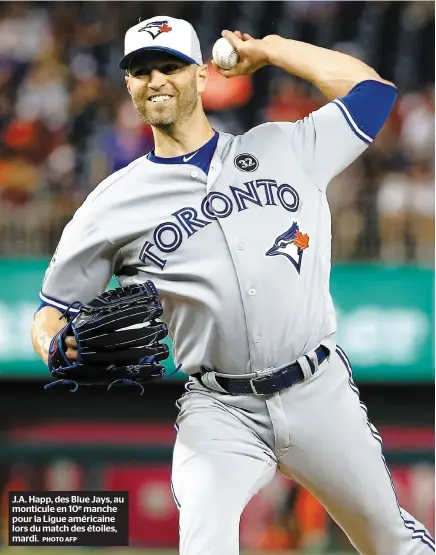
{"x":160,"y":99}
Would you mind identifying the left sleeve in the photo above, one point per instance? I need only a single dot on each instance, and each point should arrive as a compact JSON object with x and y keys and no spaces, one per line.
{"x":329,"y":139}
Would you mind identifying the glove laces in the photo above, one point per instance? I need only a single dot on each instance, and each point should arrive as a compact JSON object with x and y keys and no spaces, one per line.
{"x":76,"y":304}
{"x":64,"y":382}
{"x":132,"y":371}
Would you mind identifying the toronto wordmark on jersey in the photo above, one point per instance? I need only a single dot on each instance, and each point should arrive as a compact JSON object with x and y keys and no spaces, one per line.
{"x":169,"y":235}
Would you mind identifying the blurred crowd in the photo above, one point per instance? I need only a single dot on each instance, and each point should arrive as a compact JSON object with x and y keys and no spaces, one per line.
{"x":66,"y":121}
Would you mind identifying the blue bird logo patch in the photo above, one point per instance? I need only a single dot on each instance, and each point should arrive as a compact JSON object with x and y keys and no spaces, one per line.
{"x":156,"y":28}
{"x":291,"y":244}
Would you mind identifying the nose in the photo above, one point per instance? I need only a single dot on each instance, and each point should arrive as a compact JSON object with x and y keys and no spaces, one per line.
{"x":157,"y":79}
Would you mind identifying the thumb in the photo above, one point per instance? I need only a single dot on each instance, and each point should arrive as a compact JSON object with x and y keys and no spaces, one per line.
{"x":224,"y":72}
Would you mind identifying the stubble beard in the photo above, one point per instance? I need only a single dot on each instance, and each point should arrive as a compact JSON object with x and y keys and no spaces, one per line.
{"x":181,"y":107}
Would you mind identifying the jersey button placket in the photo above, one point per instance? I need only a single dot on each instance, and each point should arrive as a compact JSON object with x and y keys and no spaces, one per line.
{"x":252,"y":293}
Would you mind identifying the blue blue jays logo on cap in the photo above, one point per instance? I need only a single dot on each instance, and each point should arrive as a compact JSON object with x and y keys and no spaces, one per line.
{"x":156,"y":28}
{"x":292,"y":243}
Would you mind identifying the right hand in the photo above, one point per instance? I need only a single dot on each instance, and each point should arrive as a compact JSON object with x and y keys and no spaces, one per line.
{"x":47,"y":323}
{"x":70,"y":342}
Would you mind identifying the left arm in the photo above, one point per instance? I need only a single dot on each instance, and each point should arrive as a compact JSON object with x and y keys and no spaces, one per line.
{"x":329,"y":139}
{"x":332,"y":72}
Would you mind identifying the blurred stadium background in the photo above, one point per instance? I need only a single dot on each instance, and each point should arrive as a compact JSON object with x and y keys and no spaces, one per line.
{"x":66,"y":122}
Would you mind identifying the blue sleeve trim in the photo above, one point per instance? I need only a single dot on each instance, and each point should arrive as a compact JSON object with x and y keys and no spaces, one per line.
{"x":367,"y":107}
{"x":358,"y":132}
{"x":50,"y":301}
{"x":42,"y":305}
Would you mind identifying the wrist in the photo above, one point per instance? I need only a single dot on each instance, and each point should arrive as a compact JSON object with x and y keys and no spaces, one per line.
{"x":271,"y":43}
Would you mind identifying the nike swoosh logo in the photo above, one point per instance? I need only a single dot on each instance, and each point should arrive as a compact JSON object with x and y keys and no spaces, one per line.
{"x":187,"y":158}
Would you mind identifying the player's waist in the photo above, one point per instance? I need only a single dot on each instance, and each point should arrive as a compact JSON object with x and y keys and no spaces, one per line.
{"x":269,"y":380}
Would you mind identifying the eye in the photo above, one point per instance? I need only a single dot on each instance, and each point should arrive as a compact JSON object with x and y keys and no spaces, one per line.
{"x":140,"y":72}
{"x":170,"y":68}
{"x":281,"y":243}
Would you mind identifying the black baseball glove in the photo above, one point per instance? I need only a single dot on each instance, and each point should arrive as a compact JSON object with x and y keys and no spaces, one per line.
{"x":109,"y":354}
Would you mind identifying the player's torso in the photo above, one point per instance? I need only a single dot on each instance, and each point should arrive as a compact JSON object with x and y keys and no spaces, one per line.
{"x":241,"y":256}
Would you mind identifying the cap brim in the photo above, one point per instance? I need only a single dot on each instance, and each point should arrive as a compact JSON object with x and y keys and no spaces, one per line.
{"x":124,"y":64}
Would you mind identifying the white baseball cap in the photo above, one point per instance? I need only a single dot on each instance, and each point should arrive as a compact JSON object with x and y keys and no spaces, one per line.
{"x":166,"y":34}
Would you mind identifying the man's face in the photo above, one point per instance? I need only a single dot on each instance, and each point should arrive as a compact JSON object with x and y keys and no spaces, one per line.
{"x":164,"y":89}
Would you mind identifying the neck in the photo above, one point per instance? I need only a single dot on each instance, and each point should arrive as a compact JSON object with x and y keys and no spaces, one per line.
{"x":184,"y":137}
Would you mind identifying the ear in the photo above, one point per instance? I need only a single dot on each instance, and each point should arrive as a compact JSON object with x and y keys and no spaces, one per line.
{"x":127,"y":80}
{"x":202,"y":77}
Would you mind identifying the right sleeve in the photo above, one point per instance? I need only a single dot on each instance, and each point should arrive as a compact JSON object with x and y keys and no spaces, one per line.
{"x":82,"y":264}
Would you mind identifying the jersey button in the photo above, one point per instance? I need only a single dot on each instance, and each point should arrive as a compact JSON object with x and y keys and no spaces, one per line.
{"x":252,"y":292}
{"x":194,"y":174}
{"x":239,"y":246}
{"x":257,"y":339}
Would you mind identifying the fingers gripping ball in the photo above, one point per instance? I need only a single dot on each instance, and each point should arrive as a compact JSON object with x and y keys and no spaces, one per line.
{"x":224,"y":54}
{"x":119,"y":340}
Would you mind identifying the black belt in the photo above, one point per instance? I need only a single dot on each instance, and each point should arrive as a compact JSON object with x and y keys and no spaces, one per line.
{"x":280,"y":379}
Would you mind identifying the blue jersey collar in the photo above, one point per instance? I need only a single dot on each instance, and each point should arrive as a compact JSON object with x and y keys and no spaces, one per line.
{"x":201,"y":157}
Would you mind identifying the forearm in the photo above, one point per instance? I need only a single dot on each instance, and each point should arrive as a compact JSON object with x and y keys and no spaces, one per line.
{"x":46,"y":324}
{"x":332,"y":72}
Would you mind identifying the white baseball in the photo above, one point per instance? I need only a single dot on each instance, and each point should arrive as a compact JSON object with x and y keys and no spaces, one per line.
{"x":224,"y":54}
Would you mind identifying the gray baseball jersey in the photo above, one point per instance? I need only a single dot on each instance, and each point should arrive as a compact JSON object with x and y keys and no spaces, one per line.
{"x":240,"y":256}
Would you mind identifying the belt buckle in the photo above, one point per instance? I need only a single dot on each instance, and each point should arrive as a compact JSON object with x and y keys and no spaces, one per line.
{"x":261,"y":375}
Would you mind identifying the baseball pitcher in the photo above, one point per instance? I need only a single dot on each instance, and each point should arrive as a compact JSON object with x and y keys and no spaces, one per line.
{"x":225,"y":242}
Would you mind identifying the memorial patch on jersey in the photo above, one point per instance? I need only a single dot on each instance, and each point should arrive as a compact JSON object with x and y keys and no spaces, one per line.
{"x":246,"y":162}
{"x":291,"y":244}
{"x":155,"y":28}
